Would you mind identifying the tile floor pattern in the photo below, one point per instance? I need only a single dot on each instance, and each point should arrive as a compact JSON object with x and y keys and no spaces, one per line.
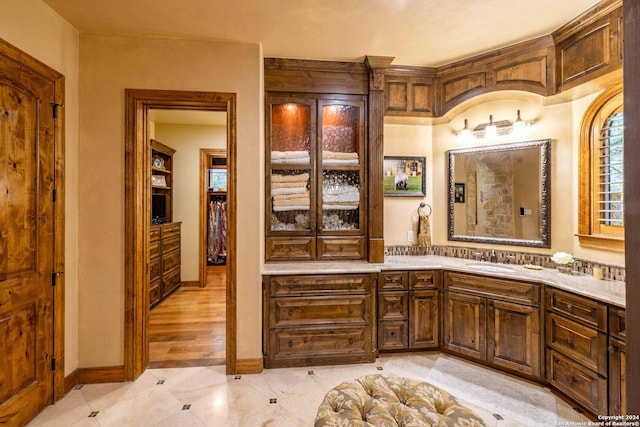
{"x":205,"y":396}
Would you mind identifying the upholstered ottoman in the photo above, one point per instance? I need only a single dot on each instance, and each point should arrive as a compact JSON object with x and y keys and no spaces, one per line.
{"x":390,"y":401}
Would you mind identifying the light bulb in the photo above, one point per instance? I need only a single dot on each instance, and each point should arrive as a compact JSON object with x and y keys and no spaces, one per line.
{"x":519,"y":125}
{"x":490,"y":131}
{"x":465,"y":134}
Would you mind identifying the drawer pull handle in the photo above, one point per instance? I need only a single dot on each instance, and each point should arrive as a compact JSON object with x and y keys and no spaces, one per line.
{"x":351,"y":311}
{"x":350,"y":341}
{"x":393,"y":334}
{"x":290,"y":285}
{"x":290,"y":344}
{"x":290,"y":312}
{"x":571,"y":380}
{"x":569,"y":341}
{"x":569,"y":307}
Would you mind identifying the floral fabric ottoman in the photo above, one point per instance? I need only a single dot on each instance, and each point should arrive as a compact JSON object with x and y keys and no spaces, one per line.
{"x":390,"y":401}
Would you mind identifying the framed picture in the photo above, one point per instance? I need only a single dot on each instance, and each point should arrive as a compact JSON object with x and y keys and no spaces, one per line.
{"x":458,"y":195}
{"x":218,"y":180}
{"x":404,"y":176}
{"x":158,"y":180}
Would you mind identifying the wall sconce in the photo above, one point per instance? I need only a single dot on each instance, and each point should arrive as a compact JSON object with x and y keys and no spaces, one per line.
{"x":493,"y":129}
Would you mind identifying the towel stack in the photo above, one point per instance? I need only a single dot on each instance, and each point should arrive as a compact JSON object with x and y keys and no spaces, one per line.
{"x":290,"y":157}
{"x":343,"y":197}
{"x":339,"y":158}
{"x":290,"y":192}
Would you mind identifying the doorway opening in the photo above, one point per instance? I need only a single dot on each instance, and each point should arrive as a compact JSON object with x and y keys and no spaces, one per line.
{"x":187,"y":322}
{"x":138,"y":211}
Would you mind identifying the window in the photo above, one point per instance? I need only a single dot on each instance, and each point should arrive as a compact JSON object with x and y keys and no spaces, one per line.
{"x":601,"y":219}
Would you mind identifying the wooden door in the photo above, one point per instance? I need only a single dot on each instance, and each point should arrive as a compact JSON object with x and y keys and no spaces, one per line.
{"x":513,"y":337}
{"x":26,"y":241}
{"x":423,"y":323}
{"x":465,"y":324}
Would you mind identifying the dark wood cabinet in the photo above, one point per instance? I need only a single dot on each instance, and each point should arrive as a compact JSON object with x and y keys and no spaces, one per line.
{"x":408,"y":310}
{"x":318,"y":319}
{"x":316,"y":187}
{"x":576,"y":342}
{"x":617,"y":362}
{"x":164,"y":264}
{"x":493,"y":320}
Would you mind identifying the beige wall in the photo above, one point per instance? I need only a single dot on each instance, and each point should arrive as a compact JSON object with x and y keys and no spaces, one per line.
{"x":33,"y":27}
{"x":109,"y":64}
{"x":187,"y":140}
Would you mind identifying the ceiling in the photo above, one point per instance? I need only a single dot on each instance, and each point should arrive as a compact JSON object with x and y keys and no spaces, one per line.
{"x":415,"y":32}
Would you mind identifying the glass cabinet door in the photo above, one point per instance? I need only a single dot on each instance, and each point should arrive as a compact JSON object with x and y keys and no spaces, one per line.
{"x":341,"y":164}
{"x":291,"y":132}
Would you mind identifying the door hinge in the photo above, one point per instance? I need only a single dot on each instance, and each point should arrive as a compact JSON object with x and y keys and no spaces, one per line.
{"x":54,"y":277}
{"x":54,"y":195}
{"x":53,"y":364}
{"x":54,"y":107}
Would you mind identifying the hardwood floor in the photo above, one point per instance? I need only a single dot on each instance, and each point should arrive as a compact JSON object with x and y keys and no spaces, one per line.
{"x":189,"y":327}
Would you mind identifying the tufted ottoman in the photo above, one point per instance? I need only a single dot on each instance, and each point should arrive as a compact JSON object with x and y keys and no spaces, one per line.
{"x":390,"y":401}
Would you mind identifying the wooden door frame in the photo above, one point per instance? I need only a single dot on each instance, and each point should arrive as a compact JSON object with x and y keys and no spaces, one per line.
{"x":204,"y":154}
{"x":138,"y":102}
{"x":17,"y":55}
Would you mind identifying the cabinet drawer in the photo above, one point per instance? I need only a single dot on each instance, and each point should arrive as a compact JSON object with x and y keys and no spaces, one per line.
{"x":319,"y":285}
{"x":170,"y":244}
{"x":314,"y":344}
{"x":393,"y":305}
{"x":499,"y":289}
{"x":290,"y":248}
{"x":393,"y":335}
{"x":154,"y":269}
{"x":170,"y":260}
{"x":581,"y":343}
{"x":170,"y":230}
{"x":341,"y":248}
{"x":393,"y":281}
{"x":587,"y":311}
{"x":424,"y":280}
{"x":581,"y":384}
{"x":154,"y":292}
{"x":318,"y":310}
{"x":170,"y":281}
{"x":617,"y":322}
{"x":154,"y":249}
{"x":154,"y":234}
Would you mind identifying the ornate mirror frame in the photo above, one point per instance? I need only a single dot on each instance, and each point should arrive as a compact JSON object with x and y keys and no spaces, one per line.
{"x":544,"y":146}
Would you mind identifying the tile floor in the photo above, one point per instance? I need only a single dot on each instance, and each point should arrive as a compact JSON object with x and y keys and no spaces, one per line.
{"x":205,"y":396}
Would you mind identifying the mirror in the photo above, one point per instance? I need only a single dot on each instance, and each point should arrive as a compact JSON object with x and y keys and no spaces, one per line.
{"x":501,"y":194}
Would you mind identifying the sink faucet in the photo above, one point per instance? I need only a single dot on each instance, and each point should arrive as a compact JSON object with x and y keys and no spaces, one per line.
{"x":493,"y":257}
{"x":481,"y":254}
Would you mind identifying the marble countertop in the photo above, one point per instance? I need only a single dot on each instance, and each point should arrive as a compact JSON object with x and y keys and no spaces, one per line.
{"x":612,"y":292}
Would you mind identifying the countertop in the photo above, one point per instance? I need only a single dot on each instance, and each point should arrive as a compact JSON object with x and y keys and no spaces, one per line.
{"x":608,"y":291}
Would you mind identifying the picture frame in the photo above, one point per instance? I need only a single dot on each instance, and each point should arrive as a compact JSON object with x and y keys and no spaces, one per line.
{"x":404,"y":176}
{"x":158,"y":180}
{"x":218,"y":180}
{"x":459,"y":192}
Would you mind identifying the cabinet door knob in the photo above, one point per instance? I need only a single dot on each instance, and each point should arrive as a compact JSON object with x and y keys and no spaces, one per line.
{"x":290,"y":344}
{"x":569,"y":341}
{"x":612,"y":349}
{"x":569,"y":307}
{"x":393,"y":334}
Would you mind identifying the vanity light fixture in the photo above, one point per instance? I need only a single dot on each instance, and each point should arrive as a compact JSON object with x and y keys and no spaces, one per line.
{"x":493,"y":129}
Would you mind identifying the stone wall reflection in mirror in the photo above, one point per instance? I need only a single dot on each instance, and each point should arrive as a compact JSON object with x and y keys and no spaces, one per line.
{"x":508,"y":194}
